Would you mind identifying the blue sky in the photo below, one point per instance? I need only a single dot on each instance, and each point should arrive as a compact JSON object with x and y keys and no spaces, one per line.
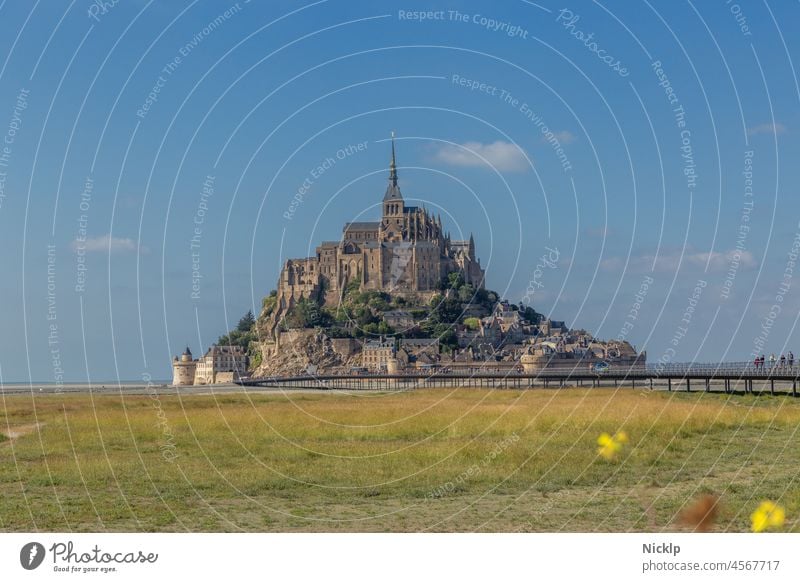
{"x":643,"y":207}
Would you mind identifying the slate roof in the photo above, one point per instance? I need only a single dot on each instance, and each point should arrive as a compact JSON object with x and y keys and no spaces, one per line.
{"x":392,"y":193}
{"x":361,"y":226}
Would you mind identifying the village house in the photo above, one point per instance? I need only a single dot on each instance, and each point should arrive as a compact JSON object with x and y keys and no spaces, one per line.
{"x":376,"y":353}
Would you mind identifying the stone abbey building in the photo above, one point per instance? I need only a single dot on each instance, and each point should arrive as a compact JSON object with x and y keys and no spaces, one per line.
{"x":406,"y":252}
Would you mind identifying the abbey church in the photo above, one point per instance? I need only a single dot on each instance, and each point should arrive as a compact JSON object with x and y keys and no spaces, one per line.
{"x":406,"y":253}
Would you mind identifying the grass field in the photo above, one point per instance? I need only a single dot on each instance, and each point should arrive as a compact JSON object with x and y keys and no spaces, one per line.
{"x":430,"y":460}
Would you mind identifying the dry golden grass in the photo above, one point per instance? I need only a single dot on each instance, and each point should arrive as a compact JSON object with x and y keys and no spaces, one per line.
{"x":440,"y":460}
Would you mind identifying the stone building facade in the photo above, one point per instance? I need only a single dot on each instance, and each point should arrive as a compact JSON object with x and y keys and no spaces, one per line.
{"x":376,"y":353}
{"x":219,"y":365}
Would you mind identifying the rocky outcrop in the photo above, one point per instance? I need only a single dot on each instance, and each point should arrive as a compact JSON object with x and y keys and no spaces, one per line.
{"x":305,"y":350}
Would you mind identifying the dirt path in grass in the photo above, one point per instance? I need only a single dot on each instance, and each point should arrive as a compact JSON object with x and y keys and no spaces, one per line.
{"x":17,"y":431}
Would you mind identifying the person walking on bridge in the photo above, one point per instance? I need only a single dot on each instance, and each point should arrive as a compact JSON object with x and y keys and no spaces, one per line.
{"x":771,"y":361}
{"x":756,"y":362}
{"x":791,"y":360}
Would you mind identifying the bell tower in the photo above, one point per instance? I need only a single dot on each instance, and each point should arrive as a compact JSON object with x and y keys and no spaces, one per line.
{"x":392,"y":224}
{"x":393,"y":205}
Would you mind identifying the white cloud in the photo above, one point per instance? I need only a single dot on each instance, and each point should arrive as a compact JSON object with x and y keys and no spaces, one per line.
{"x":601,"y":231}
{"x":612,"y":264}
{"x":500,"y":154}
{"x":718,"y":261}
{"x":768,"y":128}
{"x":563,"y":137}
{"x":105,"y":243}
{"x":669,"y":261}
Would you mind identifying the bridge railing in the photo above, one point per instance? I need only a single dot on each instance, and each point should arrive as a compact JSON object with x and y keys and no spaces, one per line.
{"x":651,"y":370}
{"x":727,"y":368}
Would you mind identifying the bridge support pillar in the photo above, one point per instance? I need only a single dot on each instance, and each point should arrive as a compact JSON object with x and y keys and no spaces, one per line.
{"x":669,"y":384}
{"x":708,"y":389}
{"x":794,"y":387}
{"x":772,"y":386}
{"x":688,"y":385}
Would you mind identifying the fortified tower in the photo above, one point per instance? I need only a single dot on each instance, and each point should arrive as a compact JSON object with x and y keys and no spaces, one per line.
{"x":183,"y":369}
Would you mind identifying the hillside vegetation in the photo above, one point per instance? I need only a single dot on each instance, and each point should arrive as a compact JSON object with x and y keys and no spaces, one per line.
{"x":360,"y":314}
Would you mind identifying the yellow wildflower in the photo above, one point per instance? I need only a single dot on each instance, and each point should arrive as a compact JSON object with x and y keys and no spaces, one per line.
{"x":611,"y":445}
{"x":766,"y":516}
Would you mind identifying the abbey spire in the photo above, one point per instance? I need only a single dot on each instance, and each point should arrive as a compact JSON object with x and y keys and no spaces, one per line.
{"x":393,"y":199}
{"x":393,"y":167}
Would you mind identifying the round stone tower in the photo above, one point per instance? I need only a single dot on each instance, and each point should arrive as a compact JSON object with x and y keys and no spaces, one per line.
{"x":393,"y":366}
{"x":183,"y":369}
{"x":531,"y":364}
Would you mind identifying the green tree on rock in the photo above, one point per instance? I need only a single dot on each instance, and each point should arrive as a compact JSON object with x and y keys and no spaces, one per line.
{"x":306,"y":313}
{"x":247,"y":322}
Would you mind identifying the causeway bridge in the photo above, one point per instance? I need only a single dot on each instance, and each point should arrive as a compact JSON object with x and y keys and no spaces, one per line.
{"x":727,"y":377}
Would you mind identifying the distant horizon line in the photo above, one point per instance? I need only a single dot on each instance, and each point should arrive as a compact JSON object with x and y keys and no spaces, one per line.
{"x":84,"y":383}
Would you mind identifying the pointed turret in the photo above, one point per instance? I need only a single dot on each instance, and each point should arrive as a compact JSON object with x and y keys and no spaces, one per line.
{"x":393,"y":191}
{"x":393,"y":166}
